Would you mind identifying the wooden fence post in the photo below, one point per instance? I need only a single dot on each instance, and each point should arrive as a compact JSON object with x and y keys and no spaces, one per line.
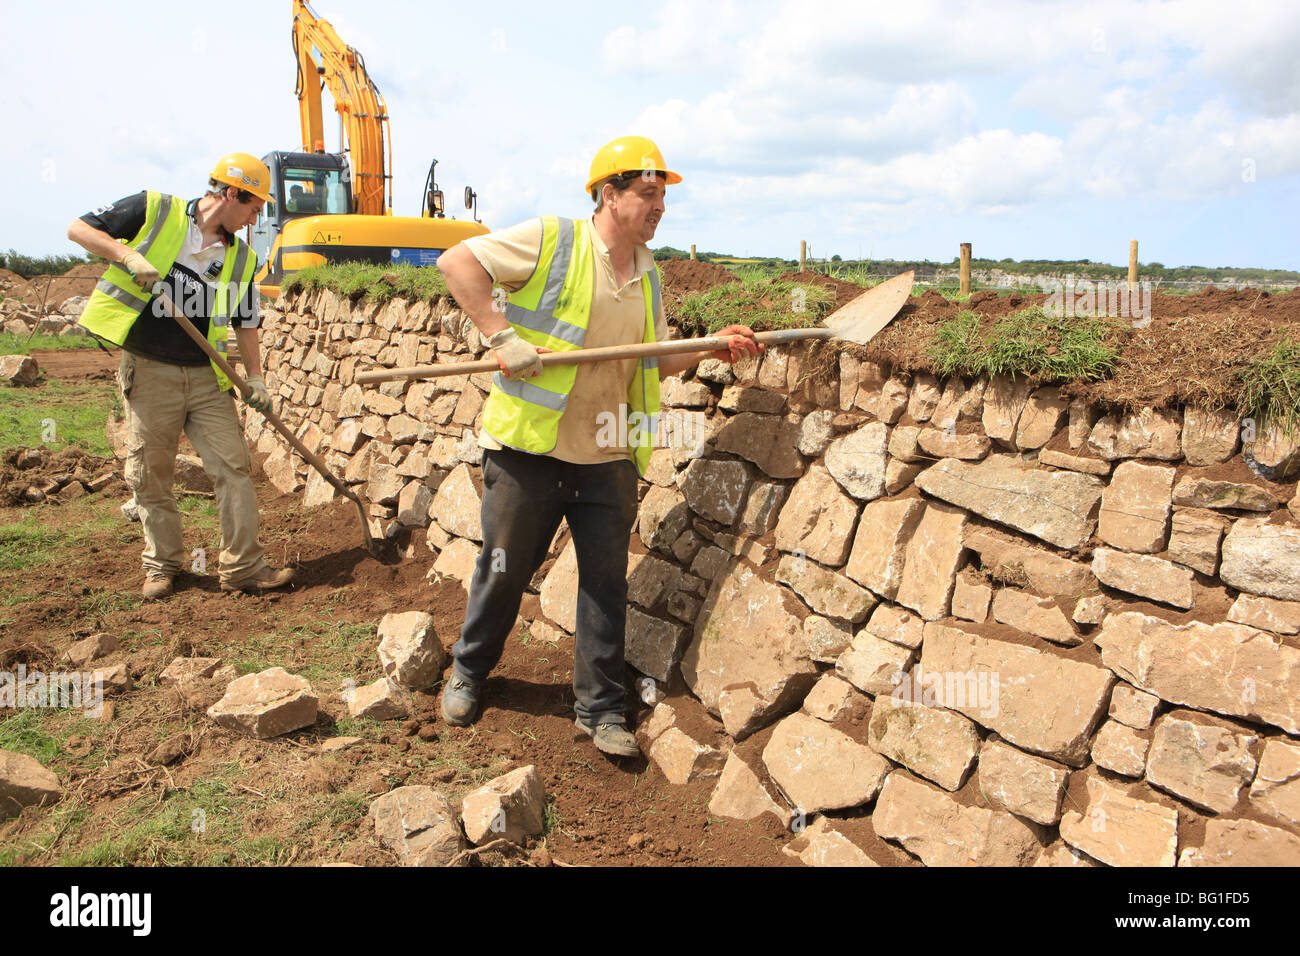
{"x":965,"y":269}
{"x":692,"y":251}
{"x":803,"y":254}
{"x":1132,"y":265}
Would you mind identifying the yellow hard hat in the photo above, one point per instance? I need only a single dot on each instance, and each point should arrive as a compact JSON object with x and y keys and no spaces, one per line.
{"x":244,"y":171}
{"x":629,"y":154}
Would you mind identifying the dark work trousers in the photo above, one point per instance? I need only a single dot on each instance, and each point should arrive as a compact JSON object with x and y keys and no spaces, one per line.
{"x":524,"y":498}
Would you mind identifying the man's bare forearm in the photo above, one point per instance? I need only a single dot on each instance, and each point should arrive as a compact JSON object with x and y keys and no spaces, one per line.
{"x":96,"y":241}
{"x":471,"y":287}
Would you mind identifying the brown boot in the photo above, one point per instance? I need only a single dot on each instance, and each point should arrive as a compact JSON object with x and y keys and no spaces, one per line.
{"x":267,"y":579}
{"x":157,"y":585}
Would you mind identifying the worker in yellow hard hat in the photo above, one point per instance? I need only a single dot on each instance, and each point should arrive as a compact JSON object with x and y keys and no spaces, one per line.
{"x":157,"y":243}
{"x":568,"y":441}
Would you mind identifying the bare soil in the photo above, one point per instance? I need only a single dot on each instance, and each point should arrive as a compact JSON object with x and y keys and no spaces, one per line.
{"x":52,"y":291}
{"x":605,"y":810}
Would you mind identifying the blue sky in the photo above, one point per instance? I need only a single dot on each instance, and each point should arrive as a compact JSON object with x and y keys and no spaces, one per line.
{"x":1030,"y":129}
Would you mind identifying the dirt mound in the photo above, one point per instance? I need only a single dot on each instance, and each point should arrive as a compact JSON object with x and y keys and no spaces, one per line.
{"x":12,"y":285}
{"x":843,"y":290}
{"x":684,"y":276}
{"x":79,"y":280}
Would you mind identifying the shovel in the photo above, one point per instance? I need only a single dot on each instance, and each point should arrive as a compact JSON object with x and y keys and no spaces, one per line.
{"x":339,"y":485}
{"x":856,"y":321}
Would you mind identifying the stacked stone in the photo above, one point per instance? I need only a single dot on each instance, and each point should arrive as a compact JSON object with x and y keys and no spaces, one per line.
{"x":397,"y":442}
{"x":950,"y":602}
{"x":18,"y":318}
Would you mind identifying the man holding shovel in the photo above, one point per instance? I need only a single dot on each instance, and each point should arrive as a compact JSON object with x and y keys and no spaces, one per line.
{"x":189,"y":252}
{"x":564,"y":441}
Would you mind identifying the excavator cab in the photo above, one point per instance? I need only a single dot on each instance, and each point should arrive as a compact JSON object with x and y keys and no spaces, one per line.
{"x":303,"y":184}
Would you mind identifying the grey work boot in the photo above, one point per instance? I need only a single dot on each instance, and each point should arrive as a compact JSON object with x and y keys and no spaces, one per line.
{"x":460,"y":701}
{"x":611,"y":738}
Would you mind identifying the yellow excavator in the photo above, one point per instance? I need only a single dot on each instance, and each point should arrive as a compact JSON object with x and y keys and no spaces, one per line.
{"x":337,"y":207}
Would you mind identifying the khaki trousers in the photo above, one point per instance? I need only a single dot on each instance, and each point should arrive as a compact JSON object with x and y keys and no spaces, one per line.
{"x":161,"y":401}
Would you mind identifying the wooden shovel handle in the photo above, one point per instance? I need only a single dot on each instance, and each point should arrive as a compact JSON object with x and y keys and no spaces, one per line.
{"x":583,"y":356}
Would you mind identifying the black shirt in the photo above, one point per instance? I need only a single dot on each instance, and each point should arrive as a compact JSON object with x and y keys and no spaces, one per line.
{"x":155,"y":334}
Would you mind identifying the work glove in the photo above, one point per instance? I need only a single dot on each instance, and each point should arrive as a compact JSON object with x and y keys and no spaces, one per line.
{"x":517,"y":358}
{"x":742,"y":344}
{"x":258,"y":398}
{"x":142,"y":271}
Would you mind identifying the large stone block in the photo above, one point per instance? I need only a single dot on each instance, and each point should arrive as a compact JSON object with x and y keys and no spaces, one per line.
{"x":1226,"y":668}
{"x":879,"y":550}
{"x":872,"y":665}
{"x":740,"y":795}
{"x":1059,"y":507}
{"x":1149,"y":433}
{"x":1262,"y":558}
{"x":1276,"y":790}
{"x":825,"y":591}
{"x":511,"y":807}
{"x":932,"y":743}
{"x":1121,"y":830}
{"x":653,"y":645}
{"x":1210,"y":437}
{"x":858,"y":460}
{"x":1135,"y":507}
{"x":683,"y":759}
{"x":418,"y":824}
{"x":748,"y":633}
{"x":818,"y":519}
{"x":1043,"y":414}
{"x":716,"y":489}
{"x":819,"y":768}
{"x":1120,"y":749}
{"x":1024,"y":784}
{"x":1145,"y":576}
{"x":559,"y":592}
{"x":770,"y":442}
{"x":1280,"y":617}
{"x":1194,"y":539}
{"x":1240,"y":843}
{"x":24,"y":782}
{"x":1004,"y":401}
{"x":663,"y":516}
{"x":1204,"y":761}
{"x":1011,"y":559}
{"x":932,"y":558}
{"x":1040,"y":701}
{"x":409,"y":649}
{"x":457,"y":506}
{"x":932,"y":825}
{"x":1034,"y":615}
{"x":266,"y":704}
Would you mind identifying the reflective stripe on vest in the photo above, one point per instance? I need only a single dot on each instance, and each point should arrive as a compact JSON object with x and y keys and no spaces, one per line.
{"x":117,"y":302}
{"x":552,"y":310}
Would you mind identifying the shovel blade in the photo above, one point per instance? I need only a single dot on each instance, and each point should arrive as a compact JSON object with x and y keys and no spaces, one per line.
{"x":859,"y":320}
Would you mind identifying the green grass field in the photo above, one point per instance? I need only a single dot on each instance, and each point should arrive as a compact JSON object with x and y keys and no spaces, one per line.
{"x":56,"y":415}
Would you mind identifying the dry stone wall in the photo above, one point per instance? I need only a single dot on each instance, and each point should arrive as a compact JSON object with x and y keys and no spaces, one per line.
{"x":1019,"y":629}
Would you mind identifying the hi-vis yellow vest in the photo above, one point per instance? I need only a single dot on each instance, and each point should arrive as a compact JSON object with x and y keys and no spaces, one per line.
{"x":552,"y":310}
{"x":117,"y":301}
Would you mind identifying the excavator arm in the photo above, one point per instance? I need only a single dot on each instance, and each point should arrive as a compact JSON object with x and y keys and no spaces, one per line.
{"x":363,"y":116}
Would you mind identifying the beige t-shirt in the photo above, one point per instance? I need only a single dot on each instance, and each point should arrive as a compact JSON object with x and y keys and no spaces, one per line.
{"x":617,"y":318}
